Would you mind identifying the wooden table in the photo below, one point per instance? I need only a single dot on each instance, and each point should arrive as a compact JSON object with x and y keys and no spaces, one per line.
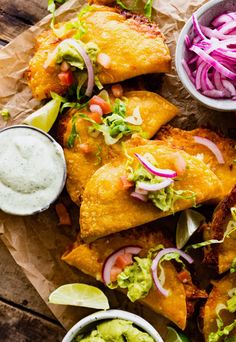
{"x":24,"y":317}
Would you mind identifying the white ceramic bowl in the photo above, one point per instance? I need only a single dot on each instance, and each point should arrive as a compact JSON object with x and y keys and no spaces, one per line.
{"x":88,"y":323}
{"x":64,"y":170}
{"x":205,"y":15}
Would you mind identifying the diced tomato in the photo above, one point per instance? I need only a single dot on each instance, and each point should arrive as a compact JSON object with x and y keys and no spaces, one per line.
{"x":126,"y":184}
{"x":66,"y":78}
{"x":86,"y":148}
{"x":179,"y":163}
{"x":121,"y":262}
{"x":96,"y":117}
{"x":115,"y":271}
{"x":117,"y":90}
{"x":63,"y":214}
{"x":184,"y":276}
{"x":124,"y":260}
{"x":97,"y":100}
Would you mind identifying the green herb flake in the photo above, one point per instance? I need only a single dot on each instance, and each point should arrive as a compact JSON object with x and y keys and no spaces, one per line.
{"x":73,"y":134}
{"x":148,"y":9}
{"x":98,"y":155}
{"x":122,"y":5}
{"x":5,"y":114}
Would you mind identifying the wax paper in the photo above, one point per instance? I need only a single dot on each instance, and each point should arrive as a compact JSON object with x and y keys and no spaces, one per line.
{"x":37,"y":242}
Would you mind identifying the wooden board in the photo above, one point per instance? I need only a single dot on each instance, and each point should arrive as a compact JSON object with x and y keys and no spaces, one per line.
{"x":20,"y":326}
{"x":18,"y":15}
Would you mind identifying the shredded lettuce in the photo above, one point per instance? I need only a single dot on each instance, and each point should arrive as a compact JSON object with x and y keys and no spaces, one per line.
{"x":231,"y":303}
{"x":233,"y":266}
{"x":231,"y":228}
{"x":113,"y":126}
{"x":222,"y":329}
{"x":52,"y":9}
{"x":163,"y":199}
{"x":5,"y":114}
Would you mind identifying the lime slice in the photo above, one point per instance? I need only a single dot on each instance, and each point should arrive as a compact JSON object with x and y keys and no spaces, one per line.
{"x":79,"y":295}
{"x":45,"y":116}
{"x":189,"y":221}
{"x":174,"y":336}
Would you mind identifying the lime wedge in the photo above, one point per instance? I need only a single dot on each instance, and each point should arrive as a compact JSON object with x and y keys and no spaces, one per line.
{"x":189,"y":221}
{"x":45,"y":116}
{"x":79,"y":295}
{"x":174,"y":336}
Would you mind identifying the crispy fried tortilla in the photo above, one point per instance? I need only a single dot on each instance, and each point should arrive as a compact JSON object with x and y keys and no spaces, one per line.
{"x":108,"y":208}
{"x":155,"y":111}
{"x":184,"y":140}
{"x":134,"y":45}
{"x":219,"y":295}
{"x":221,"y":255}
{"x":90,"y":258}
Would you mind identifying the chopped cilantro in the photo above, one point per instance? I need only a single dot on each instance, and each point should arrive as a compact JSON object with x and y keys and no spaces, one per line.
{"x":98,"y":155}
{"x":148,"y":8}
{"x":73,"y":134}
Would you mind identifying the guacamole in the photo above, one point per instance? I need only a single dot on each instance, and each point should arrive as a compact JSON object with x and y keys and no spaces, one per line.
{"x":116,"y":330}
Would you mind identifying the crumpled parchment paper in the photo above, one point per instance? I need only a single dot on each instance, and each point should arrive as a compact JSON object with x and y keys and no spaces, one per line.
{"x":37,"y":242}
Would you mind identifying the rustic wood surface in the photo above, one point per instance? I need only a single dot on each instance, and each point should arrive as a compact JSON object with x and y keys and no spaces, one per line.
{"x":24,"y":317}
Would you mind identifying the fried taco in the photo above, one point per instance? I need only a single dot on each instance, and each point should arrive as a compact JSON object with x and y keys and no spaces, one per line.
{"x":114,"y":44}
{"x":219,"y":313}
{"x":216,"y":151}
{"x":222,"y":228}
{"x":91,"y":140}
{"x":124,"y":261}
{"x":146,"y":183}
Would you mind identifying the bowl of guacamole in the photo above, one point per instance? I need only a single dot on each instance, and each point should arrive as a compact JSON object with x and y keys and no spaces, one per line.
{"x":112,"y":325}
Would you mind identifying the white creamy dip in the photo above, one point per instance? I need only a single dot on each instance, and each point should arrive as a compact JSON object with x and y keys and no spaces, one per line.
{"x":32,"y":170}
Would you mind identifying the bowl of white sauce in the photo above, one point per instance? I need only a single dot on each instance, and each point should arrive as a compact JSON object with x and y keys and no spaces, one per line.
{"x":32,"y":170}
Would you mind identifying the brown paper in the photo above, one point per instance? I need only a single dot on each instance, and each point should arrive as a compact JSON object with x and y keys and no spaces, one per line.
{"x":36,"y":243}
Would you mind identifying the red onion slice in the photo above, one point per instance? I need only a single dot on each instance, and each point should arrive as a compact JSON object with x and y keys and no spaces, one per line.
{"x":221,"y":19}
{"x":212,"y":147}
{"x":197,"y":27}
{"x":215,"y":59}
{"x":139,"y":196}
{"x":228,"y":27}
{"x":155,"y":171}
{"x":111,"y":259}
{"x":156,"y":262}
{"x":154,"y":187}
{"x":214,"y":63}
{"x":87,"y":62}
{"x":216,"y":94}
{"x":229,"y":86}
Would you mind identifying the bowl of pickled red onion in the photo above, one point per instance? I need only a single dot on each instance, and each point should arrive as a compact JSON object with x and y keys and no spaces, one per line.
{"x":206,"y":55}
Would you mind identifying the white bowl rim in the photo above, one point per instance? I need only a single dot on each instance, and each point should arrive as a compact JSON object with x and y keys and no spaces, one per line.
{"x":217,"y":104}
{"x":113,"y":314}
